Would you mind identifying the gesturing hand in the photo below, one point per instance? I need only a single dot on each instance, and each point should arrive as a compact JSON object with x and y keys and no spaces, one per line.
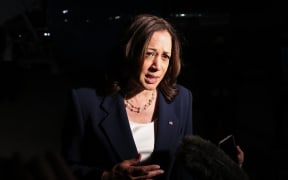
{"x":131,"y":170}
{"x":240,"y":156}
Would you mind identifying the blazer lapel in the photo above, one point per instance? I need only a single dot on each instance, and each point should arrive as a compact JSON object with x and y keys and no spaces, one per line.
{"x":167,"y":125}
{"x":116,"y":127}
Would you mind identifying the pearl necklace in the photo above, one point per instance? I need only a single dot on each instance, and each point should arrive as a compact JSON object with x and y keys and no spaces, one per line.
{"x":138,"y":109}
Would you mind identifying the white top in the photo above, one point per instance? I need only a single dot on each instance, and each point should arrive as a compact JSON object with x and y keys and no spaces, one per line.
{"x":143,"y":135}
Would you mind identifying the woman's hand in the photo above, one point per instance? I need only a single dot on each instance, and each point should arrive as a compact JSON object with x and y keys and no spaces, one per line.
{"x":240,"y":156}
{"x":130,"y":169}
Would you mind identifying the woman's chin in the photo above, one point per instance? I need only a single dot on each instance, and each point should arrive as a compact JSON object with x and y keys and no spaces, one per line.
{"x":150,"y":86}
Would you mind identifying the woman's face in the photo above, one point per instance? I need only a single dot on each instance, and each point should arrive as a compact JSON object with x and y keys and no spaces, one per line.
{"x":156,"y":60}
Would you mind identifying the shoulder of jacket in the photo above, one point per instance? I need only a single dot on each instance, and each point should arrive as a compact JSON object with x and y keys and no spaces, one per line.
{"x":183,"y":89}
{"x":83,"y":90}
{"x":85,"y":93}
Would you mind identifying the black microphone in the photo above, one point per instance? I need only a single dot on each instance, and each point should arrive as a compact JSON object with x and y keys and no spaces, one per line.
{"x":200,"y":159}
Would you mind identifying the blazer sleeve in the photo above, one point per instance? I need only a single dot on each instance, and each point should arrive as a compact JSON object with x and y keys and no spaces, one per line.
{"x":187,"y":98}
{"x":72,"y":136}
{"x":190,"y":111}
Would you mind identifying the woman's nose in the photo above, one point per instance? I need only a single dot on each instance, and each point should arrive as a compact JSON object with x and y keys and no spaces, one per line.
{"x":157,"y":62}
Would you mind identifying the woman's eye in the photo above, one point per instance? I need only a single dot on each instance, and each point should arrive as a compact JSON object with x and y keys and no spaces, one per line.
{"x":166,"y":57}
{"x":150,"y":54}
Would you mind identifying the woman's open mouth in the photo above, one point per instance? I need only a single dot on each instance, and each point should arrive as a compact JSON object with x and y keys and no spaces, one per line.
{"x":150,"y":79}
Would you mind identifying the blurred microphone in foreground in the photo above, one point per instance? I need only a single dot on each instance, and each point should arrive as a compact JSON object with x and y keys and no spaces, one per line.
{"x":200,"y":159}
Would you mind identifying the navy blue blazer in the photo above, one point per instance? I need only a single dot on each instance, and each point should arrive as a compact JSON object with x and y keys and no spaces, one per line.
{"x":97,"y":134}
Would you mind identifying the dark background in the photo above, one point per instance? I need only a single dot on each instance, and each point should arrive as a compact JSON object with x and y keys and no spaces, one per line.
{"x":235,"y":63}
